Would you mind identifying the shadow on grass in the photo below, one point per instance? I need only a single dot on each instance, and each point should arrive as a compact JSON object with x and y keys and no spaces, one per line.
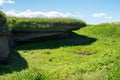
{"x":73,"y":40}
{"x":14,"y":63}
{"x":17,"y":63}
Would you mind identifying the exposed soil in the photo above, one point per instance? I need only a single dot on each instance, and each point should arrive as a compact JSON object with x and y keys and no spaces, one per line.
{"x":84,"y":53}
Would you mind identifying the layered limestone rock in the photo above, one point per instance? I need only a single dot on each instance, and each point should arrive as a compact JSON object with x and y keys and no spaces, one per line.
{"x":4,"y":49}
{"x":4,"y":45}
{"x":34,"y":35}
{"x":33,"y":29}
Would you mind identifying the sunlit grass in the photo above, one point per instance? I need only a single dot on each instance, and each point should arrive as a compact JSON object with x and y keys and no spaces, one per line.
{"x":92,"y":53}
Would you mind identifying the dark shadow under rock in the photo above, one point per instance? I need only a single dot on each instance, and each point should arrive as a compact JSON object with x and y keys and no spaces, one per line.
{"x":72,"y":40}
{"x":14,"y":63}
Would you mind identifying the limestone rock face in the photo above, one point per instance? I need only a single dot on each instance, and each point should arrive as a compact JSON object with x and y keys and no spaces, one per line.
{"x":4,"y":49}
{"x":34,"y":35}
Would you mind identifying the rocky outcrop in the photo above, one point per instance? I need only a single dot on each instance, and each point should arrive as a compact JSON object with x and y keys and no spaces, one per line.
{"x":4,"y":45}
{"x":17,"y":37}
{"x":27,"y":30}
{"x":38,"y":34}
{"x":4,"y":48}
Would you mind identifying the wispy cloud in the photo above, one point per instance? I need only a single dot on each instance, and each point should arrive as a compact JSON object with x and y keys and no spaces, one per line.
{"x":49,"y":14}
{"x":108,"y":17}
{"x":101,"y":15}
{"x":7,"y":1}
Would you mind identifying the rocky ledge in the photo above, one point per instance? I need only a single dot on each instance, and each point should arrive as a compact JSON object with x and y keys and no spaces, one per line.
{"x":39,"y":34}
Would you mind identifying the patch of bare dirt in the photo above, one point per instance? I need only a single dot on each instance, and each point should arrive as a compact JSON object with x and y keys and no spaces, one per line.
{"x":83,"y":53}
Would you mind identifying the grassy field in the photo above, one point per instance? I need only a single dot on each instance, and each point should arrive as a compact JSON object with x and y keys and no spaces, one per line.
{"x":91,"y":53}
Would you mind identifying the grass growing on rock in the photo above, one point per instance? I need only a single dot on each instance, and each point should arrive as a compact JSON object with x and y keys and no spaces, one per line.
{"x":91,"y":53}
{"x":42,"y":23}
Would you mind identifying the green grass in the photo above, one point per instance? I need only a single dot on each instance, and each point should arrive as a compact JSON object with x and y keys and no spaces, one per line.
{"x":91,"y":53}
{"x":42,"y":23}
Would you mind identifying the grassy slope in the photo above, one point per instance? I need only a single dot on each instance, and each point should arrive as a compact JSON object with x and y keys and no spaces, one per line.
{"x":92,"y":53}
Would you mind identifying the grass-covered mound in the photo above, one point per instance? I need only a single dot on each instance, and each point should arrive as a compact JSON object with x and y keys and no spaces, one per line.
{"x":30,"y":24}
{"x":91,"y":53}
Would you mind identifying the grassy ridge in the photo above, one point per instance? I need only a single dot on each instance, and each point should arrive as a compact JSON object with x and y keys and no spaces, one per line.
{"x":91,"y":53}
{"x":42,"y":23}
{"x":107,"y":30}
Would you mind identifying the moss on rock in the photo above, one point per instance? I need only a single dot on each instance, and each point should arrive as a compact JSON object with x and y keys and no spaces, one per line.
{"x":3,"y":23}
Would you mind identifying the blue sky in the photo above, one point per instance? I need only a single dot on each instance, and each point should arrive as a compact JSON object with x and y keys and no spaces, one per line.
{"x":91,"y":11}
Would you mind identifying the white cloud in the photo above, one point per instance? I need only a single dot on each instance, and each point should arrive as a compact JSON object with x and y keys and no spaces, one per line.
{"x":108,"y":17}
{"x":101,"y":15}
{"x":29,"y":13}
{"x":7,"y":1}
